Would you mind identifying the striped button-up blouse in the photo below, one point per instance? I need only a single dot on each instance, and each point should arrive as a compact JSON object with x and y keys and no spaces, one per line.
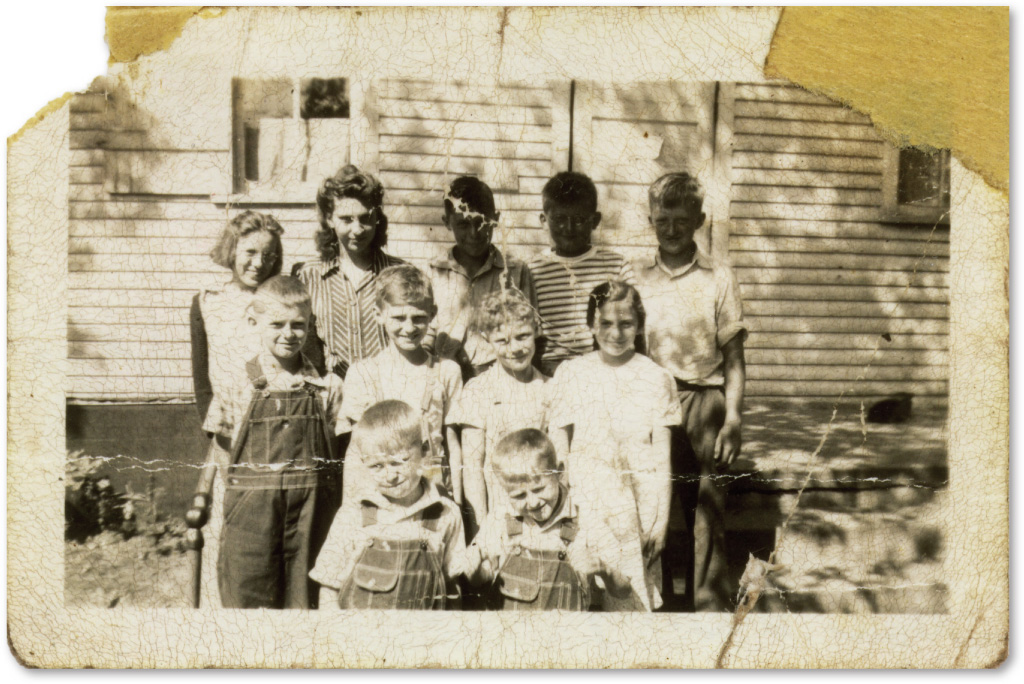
{"x":344,"y":311}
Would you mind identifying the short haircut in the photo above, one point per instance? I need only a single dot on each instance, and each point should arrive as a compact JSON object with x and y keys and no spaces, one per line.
{"x":405,"y":284}
{"x":674,"y":190}
{"x":387,"y":427}
{"x":349,"y":182}
{"x":472,"y":194}
{"x":285,"y":290}
{"x":524,"y":455}
{"x":223,"y":253}
{"x":618,"y":291}
{"x":504,"y":307}
{"x":570,"y":188}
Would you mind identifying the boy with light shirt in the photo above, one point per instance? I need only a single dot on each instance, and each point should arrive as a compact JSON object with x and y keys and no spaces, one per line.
{"x":399,"y":544}
{"x":407,"y":371}
{"x":535,"y":554}
{"x":695,"y":330}
{"x":469,"y":272}
{"x":510,"y":395}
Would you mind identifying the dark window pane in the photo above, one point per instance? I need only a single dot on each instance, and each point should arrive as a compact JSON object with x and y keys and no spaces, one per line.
{"x":324,"y":98}
{"x":920,"y":179}
{"x":252,"y":153}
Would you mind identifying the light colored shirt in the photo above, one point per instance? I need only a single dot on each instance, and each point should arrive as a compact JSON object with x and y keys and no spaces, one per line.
{"x":348,"y":536}
{"x":457,"y":295}
{"x":692,"y":313}
{"x":613,"y":411}
{"x":563,"y":287}
{"x":345,"y":310}
{"x":227,"y":411}
{"x":230,"y":340}
{"x":498,"y":404}
{"x":430,"y":388}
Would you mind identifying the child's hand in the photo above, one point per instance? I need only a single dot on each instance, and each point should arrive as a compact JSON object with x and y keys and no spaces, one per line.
{"x":727,"y":445}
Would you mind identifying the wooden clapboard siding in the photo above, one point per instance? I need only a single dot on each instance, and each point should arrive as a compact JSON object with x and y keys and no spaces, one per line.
{"x":513,"y":137}
{"x":140,"y":231}
{"x":625,"y":137}
{"x":838,"y":302}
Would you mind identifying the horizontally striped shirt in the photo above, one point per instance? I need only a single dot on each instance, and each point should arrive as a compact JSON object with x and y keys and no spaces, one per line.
{"x":345,"y":311}
{"x":563,"y":286}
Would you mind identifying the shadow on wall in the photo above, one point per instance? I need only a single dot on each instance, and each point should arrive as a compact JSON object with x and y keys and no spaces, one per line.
{"x":142,"y":443}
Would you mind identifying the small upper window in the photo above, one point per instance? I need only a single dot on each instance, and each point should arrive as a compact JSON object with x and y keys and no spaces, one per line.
{"x":916,"y":186}
{"x":288,"y":131}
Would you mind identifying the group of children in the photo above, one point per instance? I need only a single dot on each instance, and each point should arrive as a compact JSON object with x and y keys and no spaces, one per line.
{"x":387,"y":437}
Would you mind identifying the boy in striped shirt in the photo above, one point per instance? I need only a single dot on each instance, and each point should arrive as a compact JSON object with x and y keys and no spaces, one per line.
{"x":565,"y":275}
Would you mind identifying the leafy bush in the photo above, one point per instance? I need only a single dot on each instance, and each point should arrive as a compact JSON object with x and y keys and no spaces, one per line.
{"x":91,"y":504}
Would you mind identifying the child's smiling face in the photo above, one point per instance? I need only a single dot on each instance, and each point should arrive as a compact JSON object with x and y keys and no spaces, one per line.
{"x":255,"y":257}
{"x":406,"y":325}
{"x":536,"y":498}
{"x":282,"y":328}
{"x":397,"y":475}
{"x":472,"y":231}
{"x":615,"y":329}
{"x":354,"y":224}
{"x":675,"y":227}
{"x":571,"y":227}
{"x":514,"y":345}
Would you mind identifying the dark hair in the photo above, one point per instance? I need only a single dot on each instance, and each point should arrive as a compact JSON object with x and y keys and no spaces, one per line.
{"x":523,"y":455}
{"x":618,"y":291}
{"x":675,"y":190}
{"x":223,"y":253}
{"x":473,"y":193}
{"x":570,"y":188}
{"x":286,"y":290}
{"x":349,"y":182}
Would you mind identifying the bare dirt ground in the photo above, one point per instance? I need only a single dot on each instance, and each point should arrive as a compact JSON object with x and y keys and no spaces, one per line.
{"x":144,"y":571}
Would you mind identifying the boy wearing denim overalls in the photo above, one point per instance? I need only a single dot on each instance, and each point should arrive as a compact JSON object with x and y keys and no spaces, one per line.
{"x":535,"y":555}
{"x":400,"y":544}
{"x":278,"y":424}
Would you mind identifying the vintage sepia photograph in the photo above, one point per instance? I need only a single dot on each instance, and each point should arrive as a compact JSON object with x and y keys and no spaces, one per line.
{"x":797,"y":263}
{"x":653,"y":354}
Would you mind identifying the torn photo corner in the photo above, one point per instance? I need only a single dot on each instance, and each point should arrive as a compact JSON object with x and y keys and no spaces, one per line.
{"x":701,"y":369}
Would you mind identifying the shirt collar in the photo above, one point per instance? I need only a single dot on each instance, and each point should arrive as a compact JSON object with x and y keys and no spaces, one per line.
{"x":378,"y":263}
{"x":429,"y":498}
{"x":550,"y":253}
{"x":565,"y":511}
{"x":700,"y":260}
{"x":307,"y":373}
{"x":495,"y":260}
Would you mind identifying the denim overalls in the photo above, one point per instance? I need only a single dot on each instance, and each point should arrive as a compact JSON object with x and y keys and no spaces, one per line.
{"x":405,"y":575}
{"x":281,"y":495}
{"x":532,"y":579}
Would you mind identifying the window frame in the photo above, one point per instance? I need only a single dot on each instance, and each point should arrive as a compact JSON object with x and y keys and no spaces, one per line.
{"x":243,"y":192}
{"x":892,"y":210}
